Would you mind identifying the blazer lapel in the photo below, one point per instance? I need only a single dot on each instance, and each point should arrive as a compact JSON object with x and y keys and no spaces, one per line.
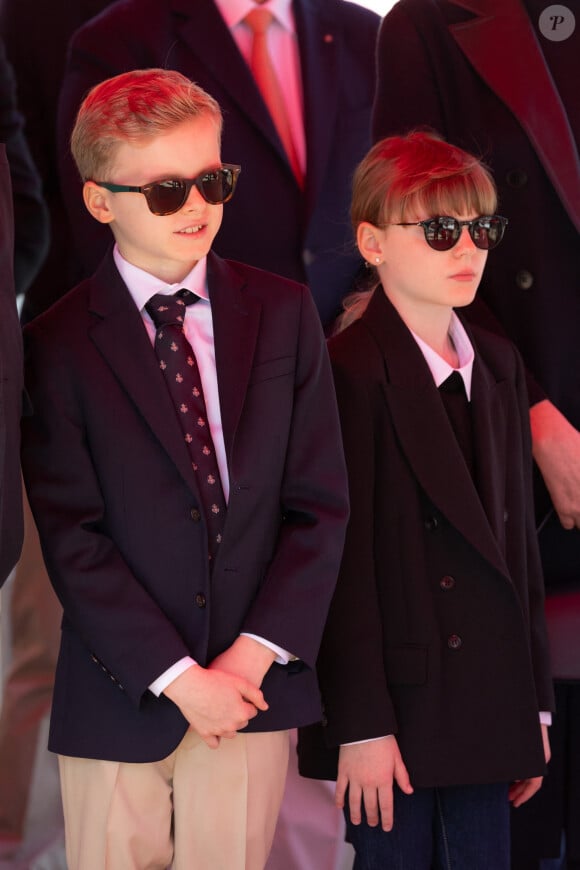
{"x":502,"y":46}
{"x":417,"y":409}
{"x":207,"y":37}
{"x":120,"y":336}
{"x":236,"y":318}
{"x":490,"y":443}
{"x":319,"y":61}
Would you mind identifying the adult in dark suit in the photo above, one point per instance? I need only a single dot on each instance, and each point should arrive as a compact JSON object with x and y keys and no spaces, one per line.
{"x":37,"y":55}
{"x":11,"y":386}
{"x":32,"y":613}
{"x":30,"y":215}
{"x":310,"y":239}
{"x":495,"y":78}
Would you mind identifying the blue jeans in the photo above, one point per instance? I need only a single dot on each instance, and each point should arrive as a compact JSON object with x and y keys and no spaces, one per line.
{"x":452,"y":828}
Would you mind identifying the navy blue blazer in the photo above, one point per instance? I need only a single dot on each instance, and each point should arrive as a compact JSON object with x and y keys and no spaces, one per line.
{"x":436,"y":632}
{"x":270,"y":223}
{"x":115,"y":499}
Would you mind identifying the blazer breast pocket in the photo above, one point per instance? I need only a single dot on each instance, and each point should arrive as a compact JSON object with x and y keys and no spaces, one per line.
{"x":270,"y":369}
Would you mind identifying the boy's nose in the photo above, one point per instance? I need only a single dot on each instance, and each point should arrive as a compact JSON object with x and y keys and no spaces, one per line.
{"x":194,"y":199}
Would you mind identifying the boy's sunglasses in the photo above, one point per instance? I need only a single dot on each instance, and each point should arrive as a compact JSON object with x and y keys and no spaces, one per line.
{"x":442,"y":233}
{"x":166,"y":197}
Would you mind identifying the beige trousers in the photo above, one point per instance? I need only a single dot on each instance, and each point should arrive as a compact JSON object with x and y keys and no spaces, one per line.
{"x":200,"y":808}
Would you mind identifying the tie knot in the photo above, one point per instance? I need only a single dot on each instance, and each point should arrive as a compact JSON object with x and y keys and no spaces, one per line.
{"x":164,"y":310}
{"x":453,"y":384}
{"x":259,"y":20}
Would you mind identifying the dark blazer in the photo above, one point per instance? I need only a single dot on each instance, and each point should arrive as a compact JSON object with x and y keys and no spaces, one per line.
{"x":116,"y":504}
{"x":270,"y":223}
{"x":31,"y":231}
{"x":37,"y":55}
{"x":436,"y":630}
{"x":11,"y":528}
{"x":476,"y":72}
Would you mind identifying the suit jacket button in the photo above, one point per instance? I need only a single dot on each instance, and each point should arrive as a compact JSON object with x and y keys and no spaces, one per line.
{"x":200,"y":600}
{"x":524,"y":279}
{"x":517,"y":178}
{"x":454,"y":641}
{"x":195,"y":515}
{"x":431,"y":524}
{"x":447,"y":583}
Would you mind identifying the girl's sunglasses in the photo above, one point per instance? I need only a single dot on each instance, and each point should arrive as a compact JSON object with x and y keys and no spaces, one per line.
{"x":166,"y":197}
{"x":442,"y":233}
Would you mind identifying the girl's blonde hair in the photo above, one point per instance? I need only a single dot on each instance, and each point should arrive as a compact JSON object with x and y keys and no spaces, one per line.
{"x":403,"y":177}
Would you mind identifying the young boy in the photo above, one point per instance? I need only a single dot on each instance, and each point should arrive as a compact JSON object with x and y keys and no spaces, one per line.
{"x":185,"y":470}
{"x":433,"y":665}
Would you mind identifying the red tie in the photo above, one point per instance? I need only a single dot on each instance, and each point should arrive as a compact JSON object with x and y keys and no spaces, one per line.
{"x":259,"y":20}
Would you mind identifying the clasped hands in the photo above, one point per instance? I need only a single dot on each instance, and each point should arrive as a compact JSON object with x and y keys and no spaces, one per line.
{"x":221,"y":699}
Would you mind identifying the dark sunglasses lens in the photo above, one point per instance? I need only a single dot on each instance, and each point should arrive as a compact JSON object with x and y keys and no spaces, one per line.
{"x":167,"y":197}
{"x":217,"y":186}
{"x":487,"y":233}
{"x":442,"y":233}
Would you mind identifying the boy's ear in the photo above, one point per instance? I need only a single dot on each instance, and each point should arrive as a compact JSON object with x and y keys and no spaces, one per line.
{"x":97,"y":202}
{"x":367,"y":239}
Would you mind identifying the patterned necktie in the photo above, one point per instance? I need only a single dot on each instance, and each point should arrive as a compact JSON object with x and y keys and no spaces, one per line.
{"x":259,"y":20}
{"x":179,"y":366}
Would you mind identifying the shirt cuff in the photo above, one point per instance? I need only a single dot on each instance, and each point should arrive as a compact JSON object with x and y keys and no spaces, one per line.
{"x":368,"y":740}
{"x":167,"y":677}
{"x":282,"y":655}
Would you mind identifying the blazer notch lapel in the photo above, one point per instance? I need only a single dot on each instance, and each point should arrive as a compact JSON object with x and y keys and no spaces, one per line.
{"x":236,"y":320}
{"x":122,"y":341}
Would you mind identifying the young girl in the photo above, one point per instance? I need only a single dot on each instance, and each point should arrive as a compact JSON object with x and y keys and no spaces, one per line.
{"x":433,"y":667}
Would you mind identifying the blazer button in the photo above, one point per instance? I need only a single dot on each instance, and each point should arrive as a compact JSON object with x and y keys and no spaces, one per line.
{"x":195,"y":515}
{"x":524,"y":279}
{"x":447,"y":583}
{"x":431,"y":524}
{"x":200,"y":600}
{"x":517,"y":178}
{"x":454,"y":641}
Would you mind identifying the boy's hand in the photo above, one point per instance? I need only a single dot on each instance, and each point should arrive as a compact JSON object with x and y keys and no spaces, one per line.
{"x":216,"y":704}
{"x":246,"y":657}
{"x":522,"y":790}
{"x":368,"y":770}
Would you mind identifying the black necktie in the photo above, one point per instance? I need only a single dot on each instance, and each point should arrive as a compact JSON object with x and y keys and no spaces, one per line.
{"x":454,"y":398}
{"x":179,"y":366}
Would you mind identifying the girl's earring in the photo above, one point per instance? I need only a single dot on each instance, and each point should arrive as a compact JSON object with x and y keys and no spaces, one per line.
{"x":377,"y":260}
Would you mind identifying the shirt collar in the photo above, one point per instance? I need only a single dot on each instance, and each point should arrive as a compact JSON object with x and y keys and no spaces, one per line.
{"x":142,"y":285}
{"x":440,"y":368}
{"x":234,"y":11}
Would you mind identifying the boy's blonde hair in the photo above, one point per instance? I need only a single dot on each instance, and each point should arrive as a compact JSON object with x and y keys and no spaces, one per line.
{"x":133,"y":106}
{"x":403,"y":177}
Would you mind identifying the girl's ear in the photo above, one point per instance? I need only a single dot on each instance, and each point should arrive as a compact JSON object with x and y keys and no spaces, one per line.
{"x":98,"y":202}
{"x":369,"y":244}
